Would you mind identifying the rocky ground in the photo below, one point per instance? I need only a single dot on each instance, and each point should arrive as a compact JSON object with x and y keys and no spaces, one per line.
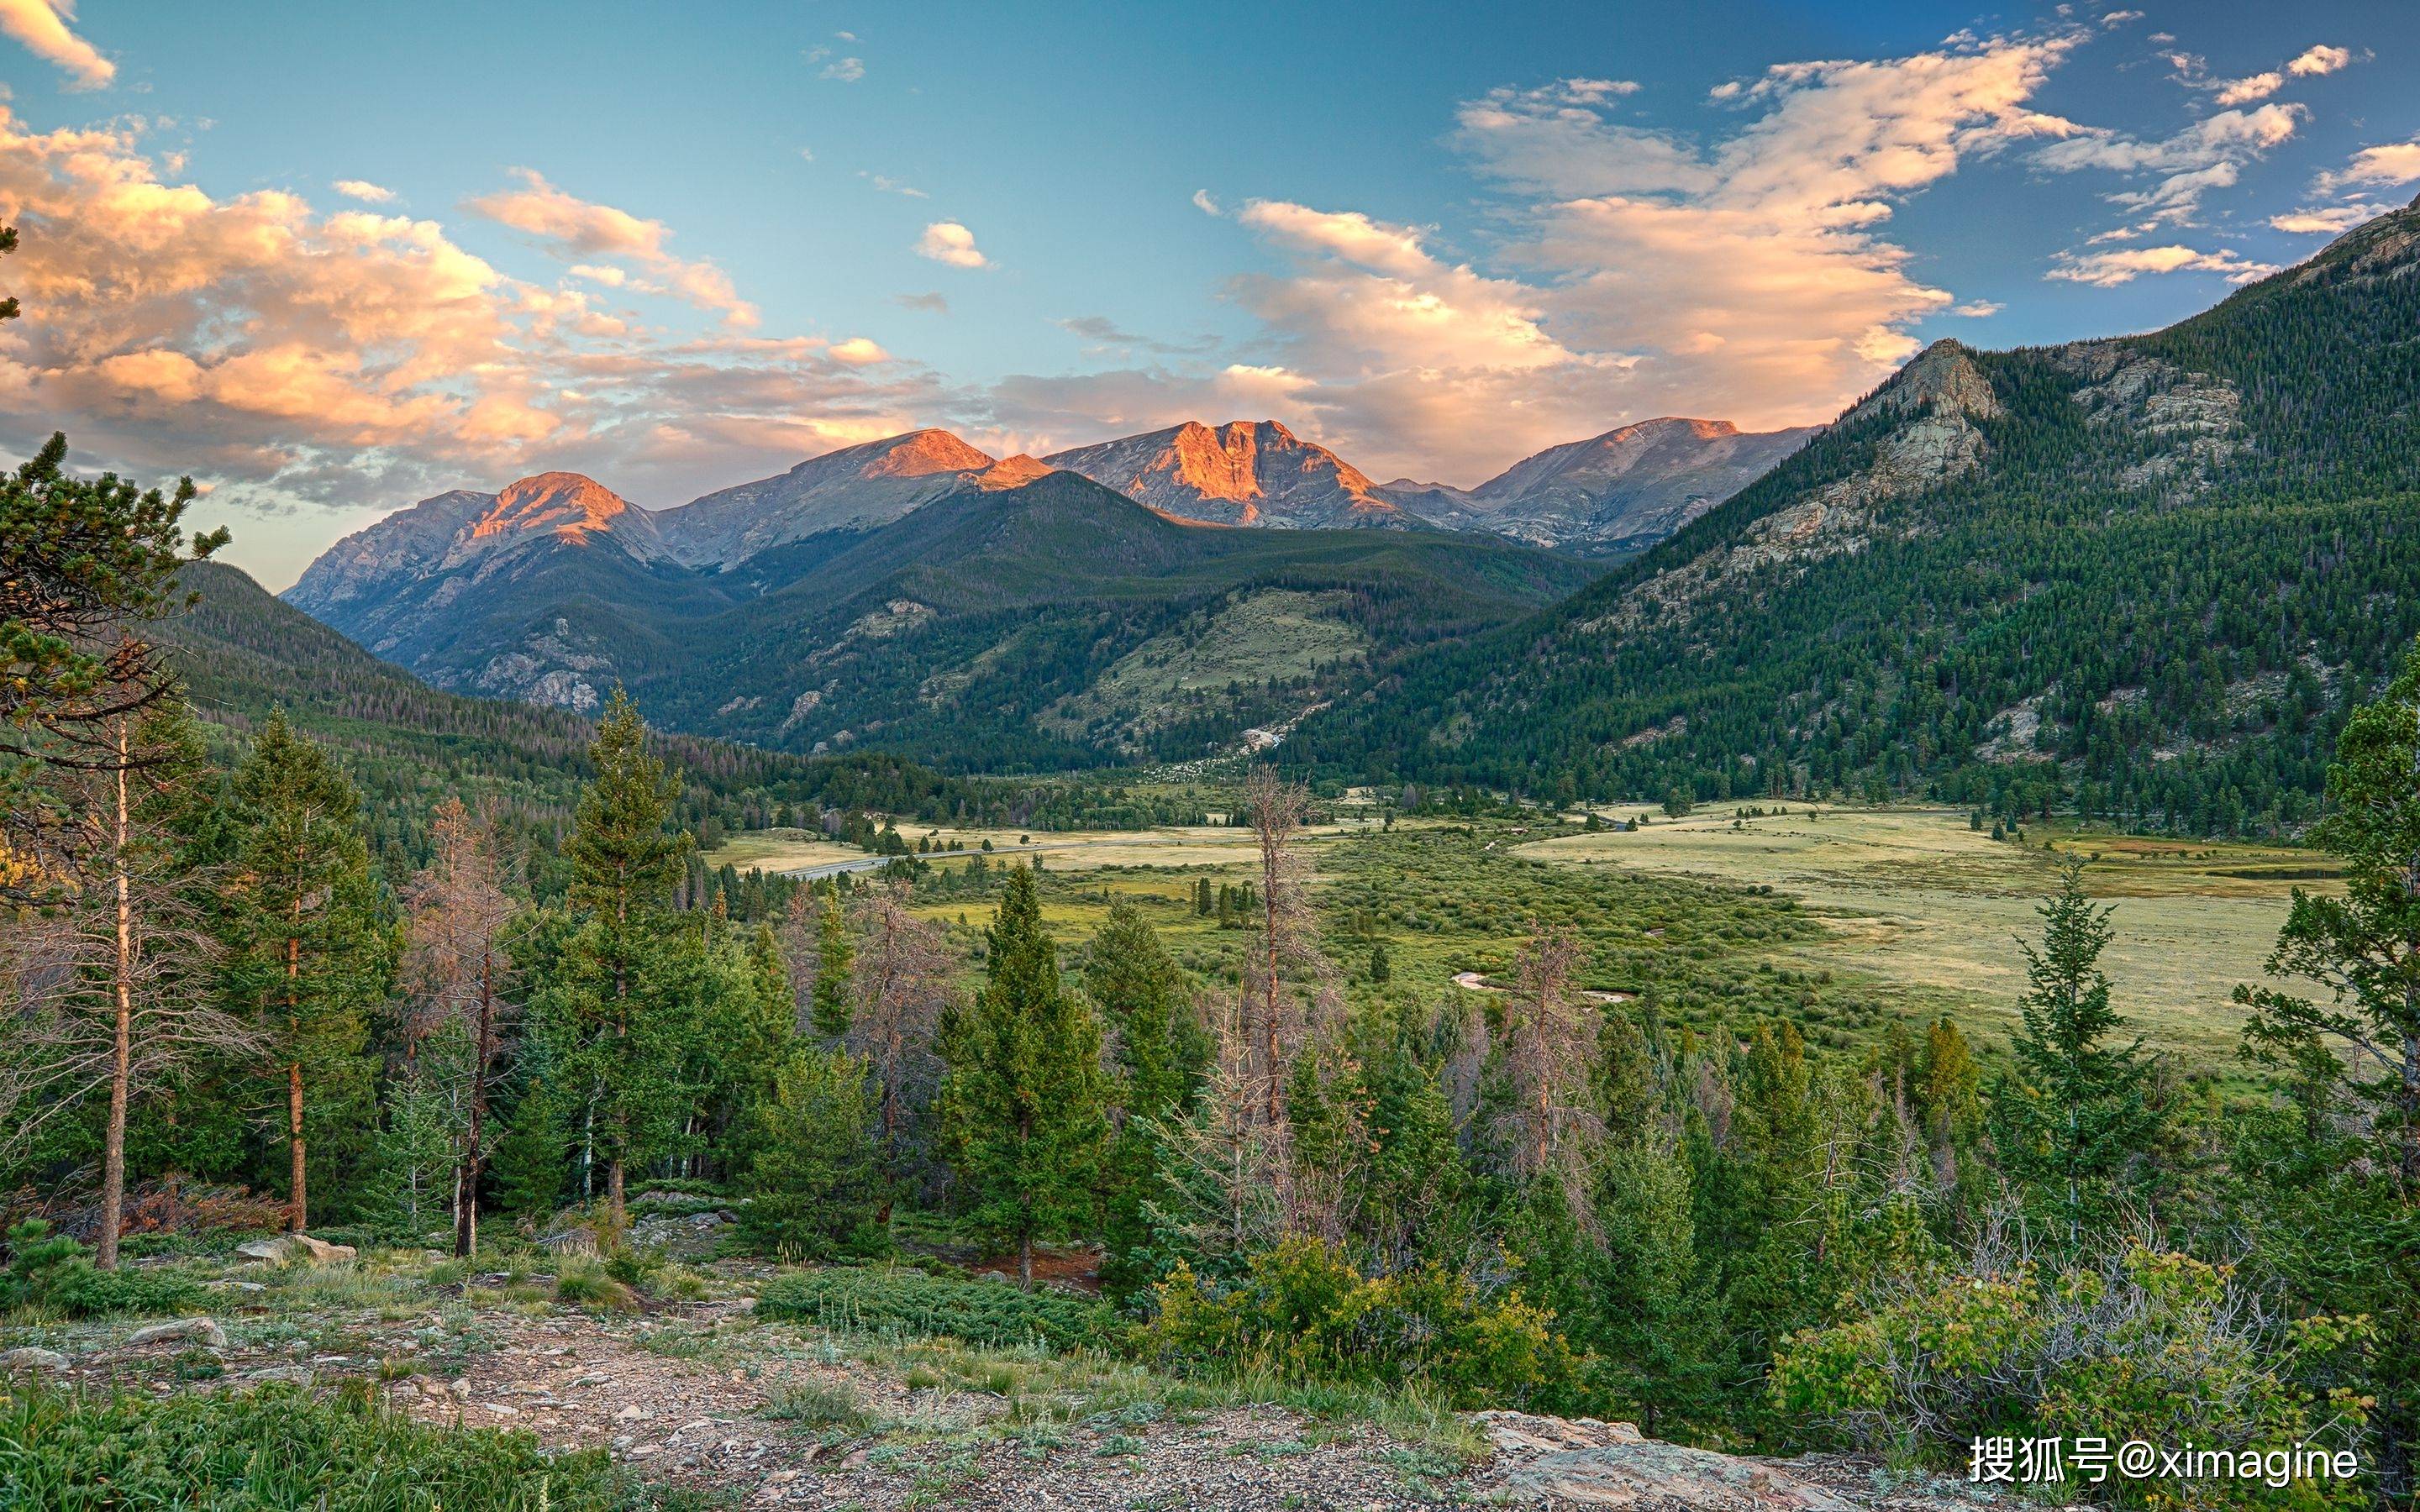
{"x":701,"y":1395}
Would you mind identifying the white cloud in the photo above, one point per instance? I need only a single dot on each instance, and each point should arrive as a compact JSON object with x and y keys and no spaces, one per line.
{"x":2257,"y":87}
{"x":2207,"y":155}
{"x":1635,"y":271}
{"x":947,"y":241}
{"x":42,"y":27}
{"x":2331,"y":221}
{"x":567,"y":225}
{"x":2320,"y":60}
{"x":1977,"y":309}
{"x":2397,"y":162}
{"x":846,"y":70}
{"x":2107,"y":270}
{"x":1202,"y":202}
{"x":892,"y":186}
{"x":363,"y":190}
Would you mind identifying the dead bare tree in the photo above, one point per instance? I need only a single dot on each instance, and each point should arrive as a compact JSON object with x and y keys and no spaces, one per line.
{"x":459,"y":926}
{"x":1227,"y":1170}
{"x":904,"y":967}
{"x":108,"y":992}
{"x":1546,"y":1052}
{"x":1283,"y":960}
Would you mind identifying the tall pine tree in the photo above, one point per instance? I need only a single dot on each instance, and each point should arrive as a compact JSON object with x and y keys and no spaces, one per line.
{"x":1022,"y":1100}
{"x":310,"y":951}
{"x":2073,"y":1115}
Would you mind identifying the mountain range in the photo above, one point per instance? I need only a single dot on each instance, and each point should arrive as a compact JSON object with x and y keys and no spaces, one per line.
{"x":2145,"y":575}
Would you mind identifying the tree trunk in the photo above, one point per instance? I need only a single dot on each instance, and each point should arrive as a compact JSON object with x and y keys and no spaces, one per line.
{"x":1025,"y":1261}
{"x":466,"y":1180}
{"x":113,"y":1146}
{"x":298,"y":1210}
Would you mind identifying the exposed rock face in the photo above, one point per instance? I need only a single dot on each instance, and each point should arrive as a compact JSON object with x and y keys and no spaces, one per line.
{"x":1245,"y":473}
{"x":1012,"y":472}
{"x":285,"y":1248}
{"x":1624,"y":491}
{"x":468,"y":529}
{"x":854,"y":489}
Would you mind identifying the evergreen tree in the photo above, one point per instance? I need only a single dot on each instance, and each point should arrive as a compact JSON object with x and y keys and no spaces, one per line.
{"x":625,"y":1001}
{"x":816,"y":1185}
{"x":310,"y":950}
{"x":2073,"y":1115}
{"x":1022,"y":1096}
{"x":835,"y":964}
{"x":1138,"y":986}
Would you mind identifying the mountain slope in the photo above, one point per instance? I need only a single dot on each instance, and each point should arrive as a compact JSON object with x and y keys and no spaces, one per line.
{"x":854,"y":489}
{"x":1245,"y":473}
{"x":240,"y":652}
{"x":2146,"y":574}
{"x":948,"y":632}
{"x":1616,"y":493}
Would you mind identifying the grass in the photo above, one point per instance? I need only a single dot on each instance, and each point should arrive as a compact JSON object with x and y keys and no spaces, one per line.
{"x":816,"y":1405}
{"x":279,"y":1448}
{"x":1925,"y":907}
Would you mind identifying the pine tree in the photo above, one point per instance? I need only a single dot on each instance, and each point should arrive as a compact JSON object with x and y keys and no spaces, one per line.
{"x":1022,"y":1097}
{"x":2073,"y":1115}
{"x":814,"y":1188}
{"x":1161,"y":1048}
{"x":625,"y":1004}
{"x":835,"y":962}
{"x":309,"y":946}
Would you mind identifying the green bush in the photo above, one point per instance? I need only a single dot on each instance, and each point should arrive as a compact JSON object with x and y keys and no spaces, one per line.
{"x":277,"y":1447}
{"x":52,"y":1272}
{"x":1303,"y":1311}
{"x":2149,"y":1345}
{"x":888,"y":1300}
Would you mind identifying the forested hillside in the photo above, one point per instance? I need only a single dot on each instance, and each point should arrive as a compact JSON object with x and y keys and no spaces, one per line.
{"x":240,"y":654}
{"x":2145,"y":577}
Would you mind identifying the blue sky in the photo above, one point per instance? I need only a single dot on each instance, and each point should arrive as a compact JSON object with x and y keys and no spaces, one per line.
{"x":332,"y":258}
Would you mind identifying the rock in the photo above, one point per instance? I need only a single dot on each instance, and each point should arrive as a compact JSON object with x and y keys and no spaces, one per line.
{"x":292,"y":1375}
{"x":201,"y":1331}
{"x":1583,"y":1462}
{"x":632,"y":1413}
{"x":285,"y":1249}
{"x":33,"y":1359}
{"x":460,"y":1387}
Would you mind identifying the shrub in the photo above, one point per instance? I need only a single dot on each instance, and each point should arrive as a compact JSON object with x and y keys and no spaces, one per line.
{"x":583,"y":1283}
{"x":816,"y":1404}
{"x":1305,"y":1311}
{"x":888,"y":1300}
{"x":2144,"y":1345}
{"x":814,"y":1188}
{"x":52,"y":1271}
{"x":82,"y":1452}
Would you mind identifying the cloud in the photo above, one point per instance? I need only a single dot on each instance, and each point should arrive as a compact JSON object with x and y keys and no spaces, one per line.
{"x":931,"y":304}
{"x":892,"y":186}
{"x":363,"y":190}
{"x":947,"y":241}
{"x":2107,"y":270}
{"x":2257,"y":87}
{"x":2320,"y":60}
{"x":2328,"y":221}
{"x":567,"y":225}
{"x":1202,"y":202}
{"x":1104,"y":334}
{"x":1977,"y":309}
{"x":2210,"y":154}
{"x":2397,"y":162}
{"x":292,"y":356}
{"x":42,"y":27}
{"x":845,"y":70}
{"x":1630,"y":272}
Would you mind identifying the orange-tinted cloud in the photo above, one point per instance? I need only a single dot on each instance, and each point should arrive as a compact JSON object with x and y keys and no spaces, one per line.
{"x":568,"y":225}
{"x":41,"y":26}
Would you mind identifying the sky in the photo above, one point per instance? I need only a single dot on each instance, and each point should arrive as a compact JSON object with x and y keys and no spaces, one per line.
{"x":331,"y":259}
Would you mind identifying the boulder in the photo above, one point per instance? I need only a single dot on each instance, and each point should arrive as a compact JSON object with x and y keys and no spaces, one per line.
{"x":291,"y":1375}
{"x":201,"y":1331}
{"x":33,"y":1359}
{"x":283,"y":1249}
{"x":1583,"y":1462}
